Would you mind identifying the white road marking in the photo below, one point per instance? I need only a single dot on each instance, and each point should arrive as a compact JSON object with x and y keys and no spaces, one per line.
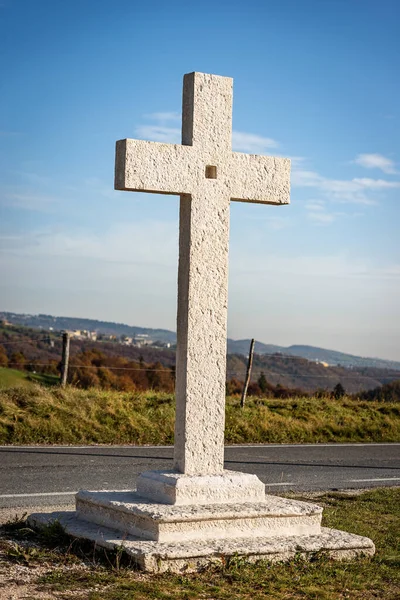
{"x":280,"y":483}
{"x":38,"y":494}
{"x":331,"y":445}
{"x":377,"y":479}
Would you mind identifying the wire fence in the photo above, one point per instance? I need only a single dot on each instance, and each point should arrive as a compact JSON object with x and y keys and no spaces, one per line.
{"x":257,"y":369}
{"x":273,"y":355}
{"x":332,"y":377}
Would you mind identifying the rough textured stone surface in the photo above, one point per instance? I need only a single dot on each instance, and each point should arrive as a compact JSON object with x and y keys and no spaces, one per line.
{"x":132,"y":514}
{"x":180,"y":489}
{"x":192,"y":556}
{"x":207,"y":175}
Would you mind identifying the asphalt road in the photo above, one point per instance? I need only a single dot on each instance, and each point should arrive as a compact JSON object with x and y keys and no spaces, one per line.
{"x":41,"y":476}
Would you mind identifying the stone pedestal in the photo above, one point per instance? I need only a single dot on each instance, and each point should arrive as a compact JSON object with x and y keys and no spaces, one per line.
{"x":170,"y":487}
{"x":196,"y":523}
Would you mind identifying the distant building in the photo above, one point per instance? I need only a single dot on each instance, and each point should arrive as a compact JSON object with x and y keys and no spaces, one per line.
{"x":321,"y":362}
{"x":142,"y":339}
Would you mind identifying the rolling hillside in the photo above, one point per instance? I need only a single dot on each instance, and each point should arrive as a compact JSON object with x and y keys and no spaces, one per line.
{"x":33,"y":349}
{"x":311,"y":353}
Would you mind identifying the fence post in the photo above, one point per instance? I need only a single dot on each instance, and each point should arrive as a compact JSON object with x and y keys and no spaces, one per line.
{"x":248,"y":374}
{"x":64,"y":358}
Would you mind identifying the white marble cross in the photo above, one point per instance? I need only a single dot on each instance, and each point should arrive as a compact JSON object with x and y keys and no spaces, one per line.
{"x":207,"y":175}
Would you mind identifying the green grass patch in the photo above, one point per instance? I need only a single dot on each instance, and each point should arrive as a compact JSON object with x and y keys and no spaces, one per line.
{"x":107,"y":577}
{"x":34,"y":414}
{"x":12,"y":378}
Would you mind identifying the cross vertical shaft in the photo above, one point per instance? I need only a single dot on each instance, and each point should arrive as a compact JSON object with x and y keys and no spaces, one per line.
{"x":201,"y":336}
{"x":203,"y":283}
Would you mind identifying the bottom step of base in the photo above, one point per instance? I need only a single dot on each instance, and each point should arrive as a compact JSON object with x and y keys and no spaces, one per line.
{"x":187,"y":557}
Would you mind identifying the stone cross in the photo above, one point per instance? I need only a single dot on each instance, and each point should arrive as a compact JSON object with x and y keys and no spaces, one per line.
{"x":207,"y":175}
{"x":199,"y":514}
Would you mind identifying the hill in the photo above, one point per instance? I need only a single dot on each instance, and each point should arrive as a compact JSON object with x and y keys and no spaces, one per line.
{"x":311,"y":353}
{"x":49,"y":322}
{"x":35,"y":350}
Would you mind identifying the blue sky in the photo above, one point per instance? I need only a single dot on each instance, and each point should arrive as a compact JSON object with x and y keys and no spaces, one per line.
{"x":314,"y":80}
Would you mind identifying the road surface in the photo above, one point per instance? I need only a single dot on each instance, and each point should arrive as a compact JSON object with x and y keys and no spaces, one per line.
{"x":39,"y":476}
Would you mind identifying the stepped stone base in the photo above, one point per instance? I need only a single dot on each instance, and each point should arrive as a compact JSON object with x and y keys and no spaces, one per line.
{"x":132,"y":514}
{"x":163,"y":537}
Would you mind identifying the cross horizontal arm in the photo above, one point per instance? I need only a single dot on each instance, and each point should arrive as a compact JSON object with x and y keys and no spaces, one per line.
{"x":142,"y":166}
{"x":259,"y":179}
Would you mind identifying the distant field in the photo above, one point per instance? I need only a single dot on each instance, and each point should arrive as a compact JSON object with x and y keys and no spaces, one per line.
{"x":13,"y":378}
{"x":32,"y":413}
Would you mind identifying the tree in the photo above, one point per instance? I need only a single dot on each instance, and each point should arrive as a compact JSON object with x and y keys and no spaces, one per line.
{"x":262,"y":382}
{"x":17,"y":360}
{"x":3,"y":357}
{"x":338,"y":391}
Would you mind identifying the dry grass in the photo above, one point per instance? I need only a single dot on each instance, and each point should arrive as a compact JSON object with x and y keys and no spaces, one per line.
{"x":45,"y":415}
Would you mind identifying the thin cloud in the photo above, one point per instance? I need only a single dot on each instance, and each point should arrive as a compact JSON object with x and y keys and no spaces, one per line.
{"x":26,"y":201}
{"x":162,"y":132}
{"x":277,"y":223}
{"x":159,"y":133}
{"x":321,"y":217}
{"x":315,"y":205}
{"x":376,"y":161}
{"x":250,"y":142}
{"x":165,"y":116}
{"x":355,"y":190}
{"x":318,"y":213}
{"x":156,"y":243}
{"x":376,"y":184}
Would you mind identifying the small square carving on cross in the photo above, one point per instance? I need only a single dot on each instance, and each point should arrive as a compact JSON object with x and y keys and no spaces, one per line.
{"x":211,"y":172}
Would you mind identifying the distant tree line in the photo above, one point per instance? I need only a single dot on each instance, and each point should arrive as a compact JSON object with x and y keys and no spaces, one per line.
{"x":94,"y":368}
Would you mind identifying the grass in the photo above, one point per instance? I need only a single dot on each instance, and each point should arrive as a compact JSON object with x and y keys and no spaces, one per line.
{"x":49,"y":415}
{"x":107,"y":577}
{"x":14,"y":378}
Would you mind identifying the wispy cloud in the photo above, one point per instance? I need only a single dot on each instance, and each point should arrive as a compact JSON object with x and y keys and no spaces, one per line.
{"x":99,"y":187}
{"x":376,"y":184}
{"x":315,"y":205}
{"x":250,"y":142}
{"x":161,"y":131}
{"x":353,"y":190}
{"x":28,"y":201}
{"x":164,"y":117}
{"x":157,"y":247}
{"x":274,"y":223}
{"x":322,"y":217}
{"x":318,"y":213}
{"x":156,"y":244}
{"x":377,"y":161}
